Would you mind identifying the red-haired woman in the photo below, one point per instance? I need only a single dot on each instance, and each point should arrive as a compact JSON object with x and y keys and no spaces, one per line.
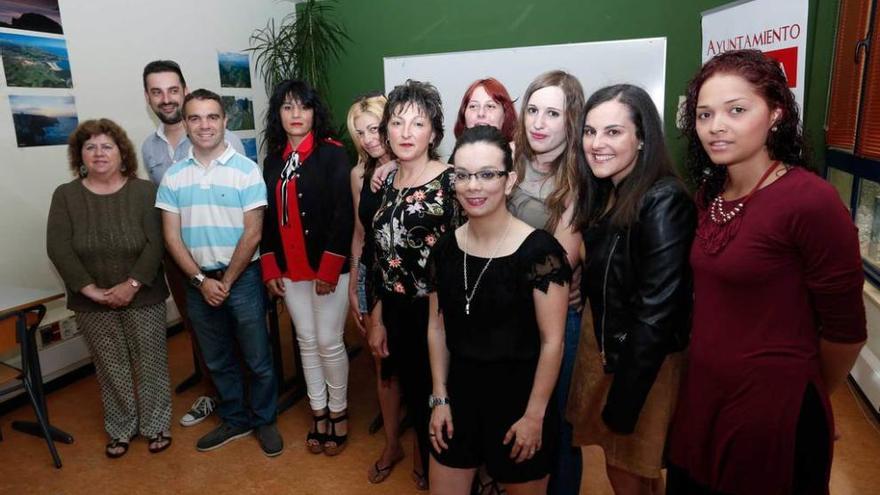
{"x":486,"y":102}
{"x":778,"y":313}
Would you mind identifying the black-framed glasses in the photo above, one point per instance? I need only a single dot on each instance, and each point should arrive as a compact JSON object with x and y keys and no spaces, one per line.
{"x":481,"y":176}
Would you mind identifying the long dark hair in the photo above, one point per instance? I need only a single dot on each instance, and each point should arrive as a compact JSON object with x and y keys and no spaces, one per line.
{"x":786,"y":143}
{"x":274,"y":135}
{"x":652,"y":162}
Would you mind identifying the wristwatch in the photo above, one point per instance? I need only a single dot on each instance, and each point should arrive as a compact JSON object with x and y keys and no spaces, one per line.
{"x":197,"y":279}
{"x":134,"y":283}
{"x":437,"y":401}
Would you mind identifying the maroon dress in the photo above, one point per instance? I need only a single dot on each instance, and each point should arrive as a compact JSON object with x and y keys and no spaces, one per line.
{"x":790,"y":275}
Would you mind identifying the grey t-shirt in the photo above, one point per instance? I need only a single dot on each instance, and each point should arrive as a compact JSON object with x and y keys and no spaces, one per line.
{"x":159,"y":156}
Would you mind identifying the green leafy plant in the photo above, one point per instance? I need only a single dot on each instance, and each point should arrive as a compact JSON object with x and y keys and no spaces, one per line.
{"x":307,"y":41}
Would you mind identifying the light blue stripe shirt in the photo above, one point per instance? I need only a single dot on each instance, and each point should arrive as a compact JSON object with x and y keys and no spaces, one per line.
{"x":211,"y":201}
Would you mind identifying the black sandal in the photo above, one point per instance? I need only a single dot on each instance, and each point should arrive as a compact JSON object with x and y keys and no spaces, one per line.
{"x":334,"y":444}
{"x":159,"y":442}
{"x":116,"y":444}
{"x":316,"y":436}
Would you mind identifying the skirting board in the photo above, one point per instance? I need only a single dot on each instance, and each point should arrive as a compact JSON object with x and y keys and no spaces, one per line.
{"x":866,"y":374}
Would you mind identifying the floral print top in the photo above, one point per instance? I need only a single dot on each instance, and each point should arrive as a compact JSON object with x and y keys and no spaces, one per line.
{"x":407,"y":224}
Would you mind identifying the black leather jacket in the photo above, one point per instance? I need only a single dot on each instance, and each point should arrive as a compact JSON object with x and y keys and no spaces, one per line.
{"x":639,"y":284}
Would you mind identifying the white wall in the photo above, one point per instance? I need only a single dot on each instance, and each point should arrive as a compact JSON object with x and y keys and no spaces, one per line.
{"x":109,"y":42}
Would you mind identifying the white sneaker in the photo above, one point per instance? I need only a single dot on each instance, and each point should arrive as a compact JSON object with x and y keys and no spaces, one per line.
{"x":201,"y":409}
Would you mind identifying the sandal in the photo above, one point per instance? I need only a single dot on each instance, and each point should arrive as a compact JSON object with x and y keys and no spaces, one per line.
{"x":334,"y":444}
{"x":420,"y":480}
{"x":315,"y":439}
{"x":117,"y":443}
{"x":159,"y":442}
{"x":378,"y":474}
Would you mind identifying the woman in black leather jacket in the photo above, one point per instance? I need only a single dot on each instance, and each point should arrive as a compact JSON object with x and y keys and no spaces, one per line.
{"x":637,"y":221}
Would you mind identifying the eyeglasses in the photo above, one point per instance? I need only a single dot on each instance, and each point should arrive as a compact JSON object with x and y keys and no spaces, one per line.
{"x":481,"y":176}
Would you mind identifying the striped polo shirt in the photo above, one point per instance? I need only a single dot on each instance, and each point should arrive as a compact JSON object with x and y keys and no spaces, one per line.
{"x":211,"y":201}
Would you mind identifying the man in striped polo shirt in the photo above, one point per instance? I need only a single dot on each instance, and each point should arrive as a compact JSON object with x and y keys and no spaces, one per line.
{"x":212,"y":218}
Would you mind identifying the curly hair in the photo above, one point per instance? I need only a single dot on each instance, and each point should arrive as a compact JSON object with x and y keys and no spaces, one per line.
{"x":373,"y":104}
{"x":497,"y":92}
{"x":274,"y":135}
{"x":96,"y":127}
{"x":786,"y":144}
{"x":566,"y":173}
{"x":426,"y":99}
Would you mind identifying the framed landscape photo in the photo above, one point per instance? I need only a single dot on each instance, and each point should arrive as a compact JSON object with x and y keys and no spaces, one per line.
{"x":235,"y":70}
{"x":35,"y":61}
{"x":239,"y":112}
{"x":250,"y":148}
{"x":31,"y":15}
{"x":43,"y":120}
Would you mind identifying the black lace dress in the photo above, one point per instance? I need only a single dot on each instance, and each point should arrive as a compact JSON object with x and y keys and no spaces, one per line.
{"x":494,"y":350}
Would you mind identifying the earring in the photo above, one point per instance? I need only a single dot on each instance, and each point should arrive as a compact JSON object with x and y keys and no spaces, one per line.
{"x":641,"y":144}
{"x":83,"y":171}
{"x":774,"y":128}
{"x":122,"y":168}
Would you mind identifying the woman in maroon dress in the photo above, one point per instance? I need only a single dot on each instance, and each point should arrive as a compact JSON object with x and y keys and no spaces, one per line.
{"x":778,"y":312}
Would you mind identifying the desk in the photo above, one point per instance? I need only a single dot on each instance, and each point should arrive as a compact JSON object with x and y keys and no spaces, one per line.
{"x":17,"y":302}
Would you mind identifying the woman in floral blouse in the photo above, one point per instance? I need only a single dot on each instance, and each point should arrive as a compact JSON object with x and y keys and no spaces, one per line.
{"x":417,"y":208}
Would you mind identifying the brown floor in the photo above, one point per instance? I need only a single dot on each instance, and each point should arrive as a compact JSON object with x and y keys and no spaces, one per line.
{"x":240,"y":468}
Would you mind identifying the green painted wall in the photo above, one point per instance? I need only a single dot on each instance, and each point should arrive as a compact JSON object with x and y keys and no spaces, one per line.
{"x":382,"y":28}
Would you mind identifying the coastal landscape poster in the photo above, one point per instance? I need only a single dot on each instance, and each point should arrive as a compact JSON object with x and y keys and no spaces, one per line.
{"x":239,"y":112}
{"x":35,"y":62}
{"x":250,"y":148}
{"x":235,"y":70}
{"x":31,"y":15}
{"x":42,"y":120}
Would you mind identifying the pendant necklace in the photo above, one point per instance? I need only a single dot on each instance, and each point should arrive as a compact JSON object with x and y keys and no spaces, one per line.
{"x":716,"y":209}
{"x":468,"y":298}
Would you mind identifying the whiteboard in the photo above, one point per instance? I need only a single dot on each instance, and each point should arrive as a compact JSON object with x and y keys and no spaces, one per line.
{"x":638,"y":61}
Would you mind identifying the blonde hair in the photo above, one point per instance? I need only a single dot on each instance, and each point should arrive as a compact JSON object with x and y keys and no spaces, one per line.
{"x":375,"y":106}
{"x":565,"y":166}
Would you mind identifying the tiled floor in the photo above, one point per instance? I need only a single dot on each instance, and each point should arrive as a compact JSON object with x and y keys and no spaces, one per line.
{"x":240,"y":468}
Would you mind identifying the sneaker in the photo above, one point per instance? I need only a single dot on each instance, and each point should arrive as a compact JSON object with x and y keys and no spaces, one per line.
{"x":201,"y":409}
{"x":220,"y":436}
{"x":270,"y":440}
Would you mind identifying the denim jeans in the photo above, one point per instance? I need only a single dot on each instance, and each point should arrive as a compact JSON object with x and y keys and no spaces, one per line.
{"x":242,"y":319}
{"x":566,"y":478}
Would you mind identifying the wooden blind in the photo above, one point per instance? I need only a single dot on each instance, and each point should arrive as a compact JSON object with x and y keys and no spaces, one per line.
{"x":869,"y":126}
{"x":847,"y":74}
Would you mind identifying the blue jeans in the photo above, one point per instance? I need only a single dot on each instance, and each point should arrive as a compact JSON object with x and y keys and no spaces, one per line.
{"x":566,"y":478}
{"x":242,"y":319}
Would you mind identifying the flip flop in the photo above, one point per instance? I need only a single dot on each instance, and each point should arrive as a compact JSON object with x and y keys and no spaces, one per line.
{"x":420,"y":480}
{"x":159,"y":442}
{"x":115,"y":444}
{"x":378,"y":474}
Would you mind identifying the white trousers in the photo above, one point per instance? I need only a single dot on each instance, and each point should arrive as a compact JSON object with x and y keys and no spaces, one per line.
{"x":320,"y":323}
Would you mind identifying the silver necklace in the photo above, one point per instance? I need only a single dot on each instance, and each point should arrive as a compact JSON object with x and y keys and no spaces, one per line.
{"x":468,"y":298}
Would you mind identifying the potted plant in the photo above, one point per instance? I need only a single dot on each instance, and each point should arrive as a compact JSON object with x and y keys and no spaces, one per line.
{"x":307,"y":41}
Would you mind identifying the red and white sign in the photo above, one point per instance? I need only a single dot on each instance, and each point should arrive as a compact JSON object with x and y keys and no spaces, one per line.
{"x":776,"y":27}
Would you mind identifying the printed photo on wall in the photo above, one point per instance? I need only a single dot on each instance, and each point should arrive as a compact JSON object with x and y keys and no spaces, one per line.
{"x":240,"y":112}
{"x":42,"y":120}
{"x":35,"y":62}
{"x":31,"y":15}
{"x":250,"y":148}
{"x":235,"y":70}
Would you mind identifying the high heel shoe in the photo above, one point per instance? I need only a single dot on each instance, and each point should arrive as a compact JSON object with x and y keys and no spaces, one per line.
{"x":315,"y":439}
{"x":333,"y":443}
